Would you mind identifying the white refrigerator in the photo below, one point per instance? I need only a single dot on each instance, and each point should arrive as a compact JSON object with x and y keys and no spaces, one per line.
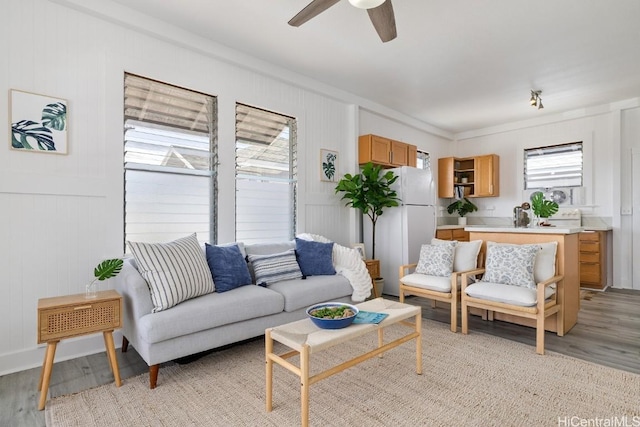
{"x":402,"y":230}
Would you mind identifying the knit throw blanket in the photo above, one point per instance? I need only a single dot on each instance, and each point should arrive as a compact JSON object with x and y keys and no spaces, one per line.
{"x":348,"y":263}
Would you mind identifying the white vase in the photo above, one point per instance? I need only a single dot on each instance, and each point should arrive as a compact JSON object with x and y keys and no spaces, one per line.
{"x":462,"y":220}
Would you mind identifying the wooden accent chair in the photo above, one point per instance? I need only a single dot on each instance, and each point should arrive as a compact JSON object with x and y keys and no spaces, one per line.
{"x":502,"y":288}
{"x":466,"y":257}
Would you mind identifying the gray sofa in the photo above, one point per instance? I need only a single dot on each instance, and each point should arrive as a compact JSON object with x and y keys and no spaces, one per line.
{"x":216,"y":319}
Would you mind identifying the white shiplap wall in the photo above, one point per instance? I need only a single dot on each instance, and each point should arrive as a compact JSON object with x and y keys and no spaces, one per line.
{"x":62,"y":214}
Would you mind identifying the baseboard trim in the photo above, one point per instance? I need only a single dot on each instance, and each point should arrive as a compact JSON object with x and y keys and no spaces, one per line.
{"x":67,"y":349}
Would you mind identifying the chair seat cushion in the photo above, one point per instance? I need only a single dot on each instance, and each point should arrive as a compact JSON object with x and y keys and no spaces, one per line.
{"x":508,"y":294}
{"x":424,"y":281}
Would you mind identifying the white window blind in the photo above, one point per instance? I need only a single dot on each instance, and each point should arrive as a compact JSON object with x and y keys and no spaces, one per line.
{"x":169,"y":144}
{"x":266,"y":173}
{"x":555,"y":166}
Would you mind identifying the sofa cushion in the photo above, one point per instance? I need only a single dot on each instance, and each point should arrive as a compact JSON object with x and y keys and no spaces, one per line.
{"x":510,"y":264}
{"x":175,"y":271}
{"x":436,"y":260}
{"x":315,"y":258}
{"x":210,"y":311}
{"x":274,"y":268}
{"x":312,"y":290}
{"x":508,"y":294}
{"x":228,"y":267}
{"x":465,"y":255}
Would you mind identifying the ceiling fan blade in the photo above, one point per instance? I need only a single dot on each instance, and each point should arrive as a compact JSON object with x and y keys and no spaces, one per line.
{"x":313,"y":9}
{"x":384,"y":21}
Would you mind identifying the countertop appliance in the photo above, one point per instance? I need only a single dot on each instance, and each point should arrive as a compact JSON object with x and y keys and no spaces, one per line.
{"x":401,"y":231}
{"x":566,"y":217}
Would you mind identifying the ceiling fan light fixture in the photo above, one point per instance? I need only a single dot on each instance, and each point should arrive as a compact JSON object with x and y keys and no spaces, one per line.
{"x":366,"y":4}
{"x":535,"y":100}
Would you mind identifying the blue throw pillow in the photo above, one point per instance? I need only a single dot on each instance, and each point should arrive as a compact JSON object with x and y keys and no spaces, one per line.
{"x":228,"y":267}
{"x":315,"y":258}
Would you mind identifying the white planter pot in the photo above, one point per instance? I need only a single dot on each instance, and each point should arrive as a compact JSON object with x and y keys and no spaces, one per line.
{"x":462,"y":220}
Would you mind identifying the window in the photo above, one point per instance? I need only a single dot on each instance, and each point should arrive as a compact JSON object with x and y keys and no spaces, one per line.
{"x":554,"y":166}
{"x":266,"y":175}
{"x":423,"y":161}
{"x":169,"y":152}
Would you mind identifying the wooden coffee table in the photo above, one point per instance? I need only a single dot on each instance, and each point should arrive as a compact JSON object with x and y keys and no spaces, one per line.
{"x":304,"y":338}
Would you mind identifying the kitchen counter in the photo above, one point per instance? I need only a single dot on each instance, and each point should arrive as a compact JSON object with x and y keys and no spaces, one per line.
{"x":598,"y":228}
{"x":450,"y":227}
{"x":523,"y":230}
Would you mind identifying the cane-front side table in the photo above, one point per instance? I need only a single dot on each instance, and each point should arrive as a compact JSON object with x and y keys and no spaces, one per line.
{"x":72,"y":316}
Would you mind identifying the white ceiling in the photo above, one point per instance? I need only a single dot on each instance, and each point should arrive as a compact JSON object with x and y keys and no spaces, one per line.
{"x":456,"y":64}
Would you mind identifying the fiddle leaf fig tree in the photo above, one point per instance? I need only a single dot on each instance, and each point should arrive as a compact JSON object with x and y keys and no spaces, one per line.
{"x":369,"y":191}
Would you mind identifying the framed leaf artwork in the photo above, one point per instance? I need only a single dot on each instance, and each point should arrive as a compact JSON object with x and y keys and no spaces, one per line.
{"x":38,"y":123}
{"x":328,"y":165}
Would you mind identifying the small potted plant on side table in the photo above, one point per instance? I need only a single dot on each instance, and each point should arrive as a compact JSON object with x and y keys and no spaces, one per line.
{"x":462,"y":207}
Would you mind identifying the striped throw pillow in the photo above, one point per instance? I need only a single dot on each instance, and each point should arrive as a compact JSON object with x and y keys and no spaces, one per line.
{"x":175,"y":271}
{"x":274,"y":268}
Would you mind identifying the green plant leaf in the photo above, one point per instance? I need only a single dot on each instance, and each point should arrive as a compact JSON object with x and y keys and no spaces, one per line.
{"x":54,"y":116}
{"x":462,"y":207}
{"x":108,"y":268}
{"x":28,"y":134}
{"x":542,"y":207}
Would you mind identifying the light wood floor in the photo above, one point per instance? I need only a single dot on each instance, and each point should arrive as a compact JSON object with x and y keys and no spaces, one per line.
{"x":608,"y":333}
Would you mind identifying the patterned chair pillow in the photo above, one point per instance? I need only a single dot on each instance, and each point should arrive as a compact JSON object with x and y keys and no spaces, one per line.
{"x":274,"y":268}
{"x":436,"y":260}
{"x":510,"y":264}
{"x":175,"y":271}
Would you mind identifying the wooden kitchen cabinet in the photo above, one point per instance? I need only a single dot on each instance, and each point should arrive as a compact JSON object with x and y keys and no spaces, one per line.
{"x":412,"y":155}
{"x":453,"y":234}
{"x":593,"y":259}
{"x":487,"y":176}
{"x":473,"y":176}
{"x":385,"y":152}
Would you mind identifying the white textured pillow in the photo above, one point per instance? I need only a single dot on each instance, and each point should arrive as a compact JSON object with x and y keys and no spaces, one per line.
{"x":465,"y":257}
{"x":436,"y":260}
{"x":174,"y":271}
{"x":545,"y":264}
{"x":510,"y":264}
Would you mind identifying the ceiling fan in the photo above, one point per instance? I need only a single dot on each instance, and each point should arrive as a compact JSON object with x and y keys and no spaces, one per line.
{"x":380,"y":12}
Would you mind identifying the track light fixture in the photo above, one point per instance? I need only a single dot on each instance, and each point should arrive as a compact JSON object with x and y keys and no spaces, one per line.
{"x":535,"y":99}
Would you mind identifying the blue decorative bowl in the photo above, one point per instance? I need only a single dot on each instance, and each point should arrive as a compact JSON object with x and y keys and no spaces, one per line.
{"x":332,"y":323}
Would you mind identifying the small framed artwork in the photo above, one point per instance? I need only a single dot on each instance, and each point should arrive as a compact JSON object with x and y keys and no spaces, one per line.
{"x":360,"y":248}
{"x":328,"y":165}
{"x":38,"y":123}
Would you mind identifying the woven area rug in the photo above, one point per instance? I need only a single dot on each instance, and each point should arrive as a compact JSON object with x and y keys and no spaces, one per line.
{"x":473,"y":379}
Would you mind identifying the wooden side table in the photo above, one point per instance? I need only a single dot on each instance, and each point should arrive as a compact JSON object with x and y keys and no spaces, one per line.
{"x":373,"y":265}
{"x":72,"y":316}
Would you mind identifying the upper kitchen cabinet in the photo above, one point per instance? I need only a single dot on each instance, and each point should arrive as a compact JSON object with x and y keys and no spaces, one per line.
{"x":477,"y":176}
{"x":385,"y":152}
